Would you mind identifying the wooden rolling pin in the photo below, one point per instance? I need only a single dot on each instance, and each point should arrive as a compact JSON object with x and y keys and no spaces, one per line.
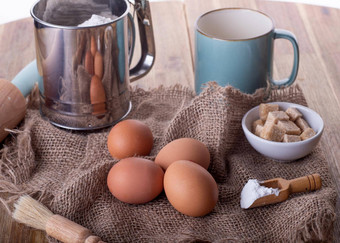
{"x":12,"y":97}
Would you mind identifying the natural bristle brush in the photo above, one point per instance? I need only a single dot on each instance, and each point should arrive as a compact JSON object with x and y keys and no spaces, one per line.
{"x":32,"y":213}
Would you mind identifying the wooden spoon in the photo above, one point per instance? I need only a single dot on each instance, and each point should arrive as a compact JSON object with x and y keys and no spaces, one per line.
{"x":302,"y":184}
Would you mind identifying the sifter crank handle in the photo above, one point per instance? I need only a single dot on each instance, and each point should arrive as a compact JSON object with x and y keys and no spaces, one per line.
{"x":147,"y":58}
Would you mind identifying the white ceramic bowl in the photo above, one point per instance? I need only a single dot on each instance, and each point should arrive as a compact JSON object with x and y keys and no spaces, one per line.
{"x":284,"y":151}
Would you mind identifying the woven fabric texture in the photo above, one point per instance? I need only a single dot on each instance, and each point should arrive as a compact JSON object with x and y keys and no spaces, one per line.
{"x":67,"y":172}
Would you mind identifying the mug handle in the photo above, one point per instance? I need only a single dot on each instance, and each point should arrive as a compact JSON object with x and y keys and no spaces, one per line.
{"x":284,"y":34}
{"x":27,"y":77}
{"x":147,"y":58}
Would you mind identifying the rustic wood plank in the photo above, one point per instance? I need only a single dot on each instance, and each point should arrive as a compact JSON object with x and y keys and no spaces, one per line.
{"x":16,"y":47}
{"x":173,"y":65}
{"x":315,"y":27}
{"x":11,"y":232}
{"x":318,"y":34}
{"x":173,"y":59}
{"x":316,"y":68}
{"x":318,"y":72}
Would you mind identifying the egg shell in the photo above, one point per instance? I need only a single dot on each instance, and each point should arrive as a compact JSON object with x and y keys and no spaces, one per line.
{"x":89,"y":63}
{"x":183,"y":149}
{"x":130,"y":138}
{"x":93,"y":46}
{"x":97,"y":96}
{"x":135,"y":180}
{"x":98,"y":65}
{"x":190,"y":188}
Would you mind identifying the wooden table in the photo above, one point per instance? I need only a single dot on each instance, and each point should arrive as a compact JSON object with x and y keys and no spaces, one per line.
{"x":316,"y":28}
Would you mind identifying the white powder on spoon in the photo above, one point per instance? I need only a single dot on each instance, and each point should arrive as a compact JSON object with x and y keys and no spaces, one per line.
{"x":253,"y":190}
{"x":95,"y":20}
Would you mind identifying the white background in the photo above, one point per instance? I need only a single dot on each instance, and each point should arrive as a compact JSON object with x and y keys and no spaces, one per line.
{"x":11,"y":10}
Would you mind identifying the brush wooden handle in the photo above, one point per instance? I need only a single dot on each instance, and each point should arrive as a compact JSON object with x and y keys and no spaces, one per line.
{"x":68,"y":231}
{"x":305,"y":183}
{"x":12,"y":107}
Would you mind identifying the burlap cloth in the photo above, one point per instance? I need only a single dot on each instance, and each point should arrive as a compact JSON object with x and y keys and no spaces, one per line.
{"x":67,"y":172}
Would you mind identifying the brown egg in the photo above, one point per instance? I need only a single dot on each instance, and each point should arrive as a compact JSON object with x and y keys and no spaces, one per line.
{"x":135,"y":180}
{"x":93,"y":45}
{"x":129,"y":138}
{"x":183,"y":149}
{"x":98,"y":65}
{"x":97,"y":96}
{"x":190,"y":188}
{"x":89,"y":63}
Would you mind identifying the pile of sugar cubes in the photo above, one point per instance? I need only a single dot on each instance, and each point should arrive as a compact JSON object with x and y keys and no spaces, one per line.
{"x":281,"y":126}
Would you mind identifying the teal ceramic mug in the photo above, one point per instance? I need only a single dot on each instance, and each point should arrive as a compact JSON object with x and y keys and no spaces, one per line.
{"x":234,"y":46}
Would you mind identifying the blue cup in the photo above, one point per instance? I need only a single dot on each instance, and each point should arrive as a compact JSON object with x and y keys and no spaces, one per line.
{"x":234,"y":46}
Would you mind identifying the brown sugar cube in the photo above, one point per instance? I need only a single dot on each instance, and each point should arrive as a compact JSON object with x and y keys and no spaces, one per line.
{"x":291,"y":138}
{"x":265,"y":109}
{"x":258,"y":130}
{"x":302,"y":124}
{"x":272,"y":132}
{"x":275,"y":116}
{"x":257,"y":122}
{"x":289,"y":127}
{"x":293,"y":113}
{"x":308,"y":133}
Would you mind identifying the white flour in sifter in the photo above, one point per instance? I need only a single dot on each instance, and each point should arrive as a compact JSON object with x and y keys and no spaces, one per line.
{"x":253,"y":190}
{"x":95,"y":20}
